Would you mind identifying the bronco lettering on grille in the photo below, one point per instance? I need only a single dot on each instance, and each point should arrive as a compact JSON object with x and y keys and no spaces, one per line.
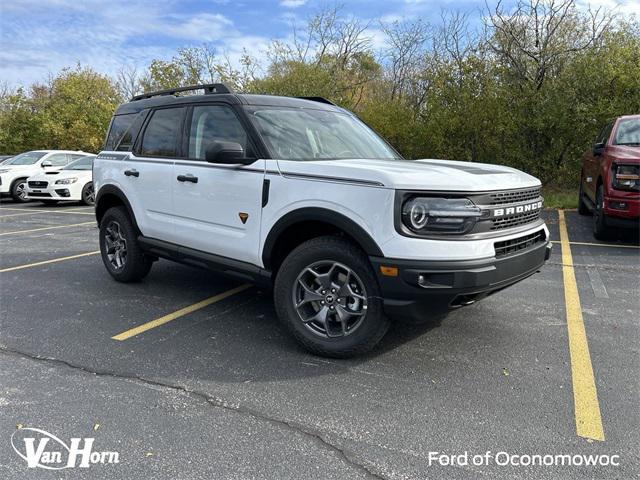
{"x":529,"y":207}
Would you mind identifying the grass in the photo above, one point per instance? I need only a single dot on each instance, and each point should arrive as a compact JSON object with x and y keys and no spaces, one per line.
{"x":556,"y":198}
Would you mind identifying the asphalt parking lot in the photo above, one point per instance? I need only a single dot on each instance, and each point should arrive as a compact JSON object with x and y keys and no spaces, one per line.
{"x":219,"y":390}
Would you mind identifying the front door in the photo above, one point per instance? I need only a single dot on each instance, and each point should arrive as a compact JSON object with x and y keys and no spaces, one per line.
{"x":217,"y":208}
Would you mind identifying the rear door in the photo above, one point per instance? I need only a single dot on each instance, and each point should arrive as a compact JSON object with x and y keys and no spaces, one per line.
{"x":217,"y":208}
{"x":147,"y":173}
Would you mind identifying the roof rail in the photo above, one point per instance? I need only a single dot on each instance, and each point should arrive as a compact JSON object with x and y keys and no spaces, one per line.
{"x":318,"y":99}
{"x":209,"y":88}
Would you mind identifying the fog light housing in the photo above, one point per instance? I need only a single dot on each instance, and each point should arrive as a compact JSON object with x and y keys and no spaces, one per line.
{"x":63,"y":192}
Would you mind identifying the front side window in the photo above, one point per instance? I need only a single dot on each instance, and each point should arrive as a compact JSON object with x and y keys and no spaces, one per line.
{"x":161,"y":137}
{"x":604,"y":133}
{"x":628,"y":132}
{"x":215,"y":123}
{"x":58,"y":159}
{"x":308,"y":134}
{"x":83,"y":163}
{"x":28,"y":158}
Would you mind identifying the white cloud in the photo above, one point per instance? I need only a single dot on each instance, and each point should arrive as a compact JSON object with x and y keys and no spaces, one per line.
{"x":292,"y":3}
{"x":42,"y":37}
{"x":622,"y":7}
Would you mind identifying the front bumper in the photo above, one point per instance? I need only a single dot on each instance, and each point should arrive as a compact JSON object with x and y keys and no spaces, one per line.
{"x":51,"y":192}
{"x":428,"y":288}
{"x":622,"y":205}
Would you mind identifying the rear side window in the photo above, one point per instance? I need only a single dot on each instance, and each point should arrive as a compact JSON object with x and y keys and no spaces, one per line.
{"x":215,"y":123}
{"x":129,"y":137}
{"x":119,"y":125}
{"x":161,"y":137}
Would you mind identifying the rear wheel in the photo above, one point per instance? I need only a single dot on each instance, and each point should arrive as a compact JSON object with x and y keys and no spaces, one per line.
{"x":19,"y":190}
{"x":88,"y":195}
{"x":583,"y":209}
{"x":121,"y":254}
{"x":327,"y":295}
{"x":600,"y":230}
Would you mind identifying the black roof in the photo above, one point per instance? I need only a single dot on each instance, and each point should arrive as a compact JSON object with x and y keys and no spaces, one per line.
{"x":169,"y":97}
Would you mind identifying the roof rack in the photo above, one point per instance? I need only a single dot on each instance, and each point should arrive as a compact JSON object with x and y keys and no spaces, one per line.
{"x":318,"y":99}
{"x":209,"y":88}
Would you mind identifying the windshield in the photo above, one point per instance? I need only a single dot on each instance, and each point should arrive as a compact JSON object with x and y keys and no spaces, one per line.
{"x":83,"y":163}
{"x":28,"y":158}
{"x":628,"y":132}
{"x":308,"y":134}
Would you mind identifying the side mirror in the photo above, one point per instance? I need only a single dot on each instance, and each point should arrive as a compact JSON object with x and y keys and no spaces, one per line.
{"x":46,"y":164}
{"x":598,"y":148}
{"x":229,"y":153}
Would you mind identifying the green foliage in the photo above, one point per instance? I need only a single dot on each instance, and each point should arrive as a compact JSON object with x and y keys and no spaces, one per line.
{"x":73,"y":112}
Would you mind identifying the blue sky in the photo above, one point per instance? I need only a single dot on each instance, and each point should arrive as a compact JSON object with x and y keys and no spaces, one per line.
{"x":39,"y":37}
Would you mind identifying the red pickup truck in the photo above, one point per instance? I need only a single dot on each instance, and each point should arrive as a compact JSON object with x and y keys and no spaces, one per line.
{"x":610,"y":178}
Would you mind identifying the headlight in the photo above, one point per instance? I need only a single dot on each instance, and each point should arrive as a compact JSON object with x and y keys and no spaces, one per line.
{"x":66,"y":181}
{"x":431,"y":215}
{"x":626,"y":177}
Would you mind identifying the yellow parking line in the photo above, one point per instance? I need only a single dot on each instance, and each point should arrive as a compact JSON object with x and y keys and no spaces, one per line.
{"x":602,"y":244}
{"x":45,"y":262}
{"x":180,"y":313}
{"x":585,"y":394}
{"x":47,"y":228}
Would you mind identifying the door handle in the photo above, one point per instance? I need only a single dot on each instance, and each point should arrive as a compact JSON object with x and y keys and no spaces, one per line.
{"x":187,"y":178}
{"x":132,"y":173}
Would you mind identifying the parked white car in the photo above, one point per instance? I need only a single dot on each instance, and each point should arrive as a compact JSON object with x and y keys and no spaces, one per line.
{"x":13,"y":176}
{"x":71,"y":183}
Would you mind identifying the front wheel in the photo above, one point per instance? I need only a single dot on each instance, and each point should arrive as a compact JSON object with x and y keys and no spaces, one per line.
{"x":121,"y":254}
{"x":600,"y":230}
{"x":327,"y":295}
{"x":583,"y":209}
{"x":19,"y":190}
{"x":88,"y":195}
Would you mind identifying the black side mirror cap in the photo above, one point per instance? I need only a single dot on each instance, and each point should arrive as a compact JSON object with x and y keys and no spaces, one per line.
{"x":229,"y":153}
{"x":598,"y":148}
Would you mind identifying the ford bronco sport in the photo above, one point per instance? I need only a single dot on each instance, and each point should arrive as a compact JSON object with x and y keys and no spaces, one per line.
{"x":300,"y":194}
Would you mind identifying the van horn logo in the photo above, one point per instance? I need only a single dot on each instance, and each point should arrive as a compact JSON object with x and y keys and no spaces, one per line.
{"x":45,"y":450}
{"x":530,"y":207}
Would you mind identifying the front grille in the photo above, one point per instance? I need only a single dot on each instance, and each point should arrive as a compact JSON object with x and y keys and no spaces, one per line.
{"x":515,"y":196}
{"x":39,"y":194}
{"x":38,"y":184}
{"x":509,"y":247}
{"x":515,"y":220}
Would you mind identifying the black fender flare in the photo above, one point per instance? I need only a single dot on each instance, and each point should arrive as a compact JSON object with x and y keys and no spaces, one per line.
{"x":338,"y":220}
{"x":112,"y":190}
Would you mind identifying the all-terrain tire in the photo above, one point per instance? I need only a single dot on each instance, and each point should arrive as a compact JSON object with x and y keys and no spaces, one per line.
{"x":117,"y":231}
{"x":346,"y":257}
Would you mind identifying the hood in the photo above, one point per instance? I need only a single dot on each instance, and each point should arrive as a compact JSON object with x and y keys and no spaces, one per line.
{"x":626,"y":153}
{"x":51,"y":175}
{"x":14,"y":168}
{"x":438,"y":175}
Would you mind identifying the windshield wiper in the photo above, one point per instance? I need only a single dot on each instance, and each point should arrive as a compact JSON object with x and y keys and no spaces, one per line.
{"x":630,"y":144}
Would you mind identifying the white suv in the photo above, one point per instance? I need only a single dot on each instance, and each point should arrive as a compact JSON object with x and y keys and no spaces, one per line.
{"x":300,"y":194}
{"x":14,"y":174}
